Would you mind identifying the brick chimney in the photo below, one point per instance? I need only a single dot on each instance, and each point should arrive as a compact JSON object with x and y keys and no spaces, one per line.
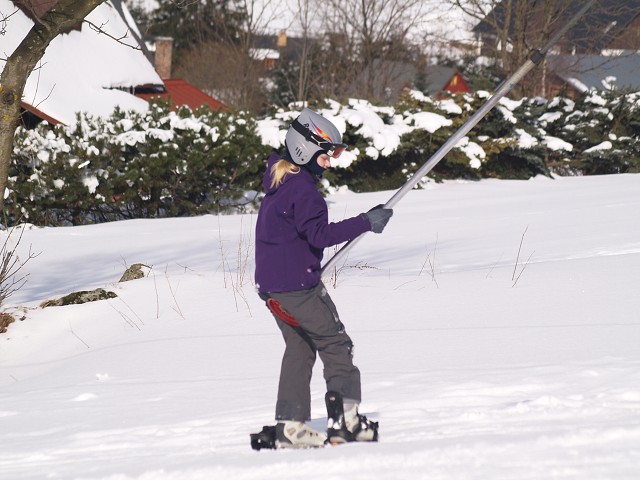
{"x":163,"y":56}
{"x":282,"y":40}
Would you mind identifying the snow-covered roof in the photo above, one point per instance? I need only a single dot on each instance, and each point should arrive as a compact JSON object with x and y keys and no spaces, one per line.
{"x":81,"y":70}
{"x":264,"y":54}
{"x":180,"y":92}
{"x":585,"y":72}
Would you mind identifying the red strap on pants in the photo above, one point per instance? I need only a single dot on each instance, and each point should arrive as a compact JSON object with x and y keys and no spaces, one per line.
{"x":281,"y":313}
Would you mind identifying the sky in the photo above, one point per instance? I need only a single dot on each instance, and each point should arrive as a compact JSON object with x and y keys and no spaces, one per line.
{"x":436,"y":20}
{"x":436,"y":23}
{"x":495,"y":324}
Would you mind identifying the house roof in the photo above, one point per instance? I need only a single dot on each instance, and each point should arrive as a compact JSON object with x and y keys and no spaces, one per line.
{"x":607,"y":17}
{"x":39,"y":113}
{"x":84,"y":71}
{"x":264,"y":54}
{"x":181,"y":92}
{"x":438,"y":77}
{"x":585,"y":72}
{"x":391,"y":77}
{"x":293,"y":48}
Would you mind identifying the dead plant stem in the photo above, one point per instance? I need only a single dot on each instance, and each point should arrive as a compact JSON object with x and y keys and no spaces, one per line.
{"x":518,"y":257}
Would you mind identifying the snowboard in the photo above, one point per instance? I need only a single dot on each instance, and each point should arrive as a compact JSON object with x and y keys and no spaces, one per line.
{"x":337,"y":431}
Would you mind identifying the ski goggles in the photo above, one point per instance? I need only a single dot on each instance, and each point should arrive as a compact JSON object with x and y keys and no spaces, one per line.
{"x":334,"y":150}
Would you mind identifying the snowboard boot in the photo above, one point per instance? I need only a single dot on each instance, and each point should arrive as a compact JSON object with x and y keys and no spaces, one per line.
{"x":292,"y":434}
{"x":347,"y":425}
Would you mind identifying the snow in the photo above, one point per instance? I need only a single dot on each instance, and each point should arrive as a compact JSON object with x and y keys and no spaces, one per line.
{"x":510,"y":104}
{"x":473,"y":151}
{"x":609,"y":82}
{"x":606,"y":145}
{"x":449,"y":106}
{"x":507,"y":114}
{"x":525,"y":140}
{"x":429,"y":121}
{"x":385,"y":137}
{"x":596,"y":99}
{"x":577,"y":84}
{"x":555,"y":143}
{"x":370,"y":123}
{"x":550,"y":117}
{"x":79,"y":69}
{"x":264,"y":54}
{"x":496,"y":327}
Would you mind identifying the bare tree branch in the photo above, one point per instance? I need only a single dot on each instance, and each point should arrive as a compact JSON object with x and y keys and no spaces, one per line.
{"x":372,"y":32}
{"x":100,"y":29}
{"x":4,"y":19}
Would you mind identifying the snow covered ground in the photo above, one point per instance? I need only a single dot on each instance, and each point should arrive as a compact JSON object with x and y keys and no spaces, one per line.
{"x":469,"y":375}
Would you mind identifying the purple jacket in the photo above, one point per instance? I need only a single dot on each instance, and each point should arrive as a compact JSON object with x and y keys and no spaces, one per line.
{"x":292,"y":231}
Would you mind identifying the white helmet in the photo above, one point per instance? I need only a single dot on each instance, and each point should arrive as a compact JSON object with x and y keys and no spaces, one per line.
{"x":311,"y":135}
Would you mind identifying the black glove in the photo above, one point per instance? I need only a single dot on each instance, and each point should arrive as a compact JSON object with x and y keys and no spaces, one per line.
{"x":378,"y":217}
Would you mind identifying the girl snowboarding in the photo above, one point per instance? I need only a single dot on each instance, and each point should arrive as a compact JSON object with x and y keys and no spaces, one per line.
{"x":292,"y":231}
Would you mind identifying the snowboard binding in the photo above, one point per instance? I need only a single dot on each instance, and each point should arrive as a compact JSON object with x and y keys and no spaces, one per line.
{"x":341,"y":430}
{"x":264,"y":439}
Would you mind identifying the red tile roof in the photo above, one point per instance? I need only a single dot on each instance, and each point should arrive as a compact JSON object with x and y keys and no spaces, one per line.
{"x":180,"y":92}
{"x":39,"y":113}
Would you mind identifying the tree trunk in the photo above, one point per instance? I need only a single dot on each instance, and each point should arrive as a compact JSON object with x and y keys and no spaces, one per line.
{"x":19,"y":65}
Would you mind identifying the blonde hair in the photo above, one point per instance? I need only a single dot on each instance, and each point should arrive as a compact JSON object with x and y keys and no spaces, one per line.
{"x":281,"y":169}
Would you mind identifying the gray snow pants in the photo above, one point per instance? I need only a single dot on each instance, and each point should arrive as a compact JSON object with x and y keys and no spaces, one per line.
{"x":320,"y":330}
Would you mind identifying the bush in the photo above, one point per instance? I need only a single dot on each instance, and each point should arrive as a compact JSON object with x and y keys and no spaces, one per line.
{"x":516,"y":163}
{"x":131,"y":165}
{"x":165,"y":163}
